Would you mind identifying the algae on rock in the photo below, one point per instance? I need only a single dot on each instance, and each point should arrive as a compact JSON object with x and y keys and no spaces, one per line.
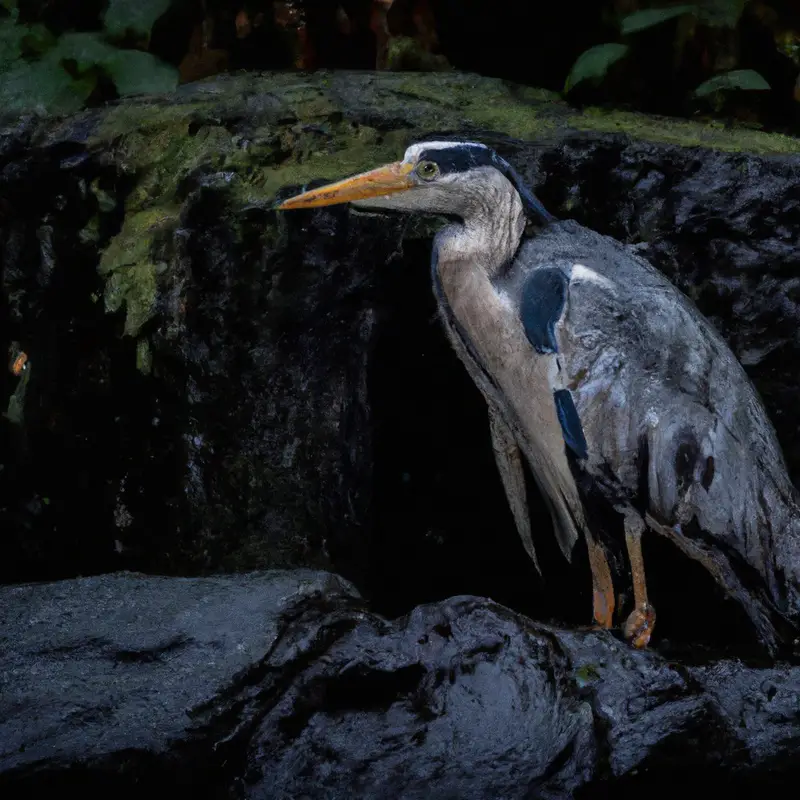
{"x":128,"y":264}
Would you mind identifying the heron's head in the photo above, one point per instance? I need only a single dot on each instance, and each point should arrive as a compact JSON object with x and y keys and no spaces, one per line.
{"x":451,"y":178}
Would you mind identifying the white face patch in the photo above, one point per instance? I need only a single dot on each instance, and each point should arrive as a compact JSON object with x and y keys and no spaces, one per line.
{"x":581,"y":272}
{"x":413,"y":152}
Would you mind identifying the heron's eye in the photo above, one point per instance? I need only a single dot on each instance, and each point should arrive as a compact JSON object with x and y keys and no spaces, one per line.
{"x":427,"y":170}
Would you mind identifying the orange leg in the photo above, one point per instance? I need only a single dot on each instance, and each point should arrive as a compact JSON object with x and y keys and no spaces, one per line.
{"x":603,"y":596}
{"x":640,"y":623}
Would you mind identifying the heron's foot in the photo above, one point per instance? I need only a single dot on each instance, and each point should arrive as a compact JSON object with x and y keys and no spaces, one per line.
{"x":639,"y":625}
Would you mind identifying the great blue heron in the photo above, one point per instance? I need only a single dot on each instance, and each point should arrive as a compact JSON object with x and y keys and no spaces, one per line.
{"x":606,"y":378}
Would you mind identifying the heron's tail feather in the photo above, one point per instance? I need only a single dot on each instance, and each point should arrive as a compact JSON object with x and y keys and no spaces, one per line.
{"x":509,"y":463}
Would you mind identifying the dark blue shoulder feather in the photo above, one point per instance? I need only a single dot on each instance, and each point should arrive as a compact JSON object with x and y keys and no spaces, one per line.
{"x":544,"y":295}
{"x":570,"y":422}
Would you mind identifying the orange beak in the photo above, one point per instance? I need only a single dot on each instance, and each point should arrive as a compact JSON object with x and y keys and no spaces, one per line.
{"x":375,"y":183}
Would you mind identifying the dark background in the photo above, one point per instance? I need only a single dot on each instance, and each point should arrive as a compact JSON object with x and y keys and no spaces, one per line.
{"x":534,"y":43}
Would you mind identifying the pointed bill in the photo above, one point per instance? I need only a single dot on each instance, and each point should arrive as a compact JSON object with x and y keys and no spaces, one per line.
{"x":375,"y":183}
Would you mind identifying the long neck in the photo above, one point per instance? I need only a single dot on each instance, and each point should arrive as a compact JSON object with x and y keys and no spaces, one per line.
{"x":491,"y":231}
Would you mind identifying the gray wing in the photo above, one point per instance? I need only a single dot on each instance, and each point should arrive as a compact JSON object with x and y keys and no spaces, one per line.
{"x":508,"y":443}
{"x":671,"y":422}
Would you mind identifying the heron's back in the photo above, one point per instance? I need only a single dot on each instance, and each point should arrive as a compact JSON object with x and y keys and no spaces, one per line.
{"x":667,"y":411}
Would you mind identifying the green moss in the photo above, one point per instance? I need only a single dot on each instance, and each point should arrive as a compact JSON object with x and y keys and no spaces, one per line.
{"x":135,"y":288}
{"x":424,"y":226}
{"x":161,"y":151}
{"x":163,"y":158}
{"x":522,"y":114}
{"x":129,"y":268}
{"x":459,"y":100}
{"x":685,"y":133}
{"x":105,"y":201}
{"x":123,"y":119}
{"x":132,"y":245}
{"x":157,"y":146}
{"x":90,"y":233}
{"x":308,"y":100}
{"x":586,"y":675}
{"x":144,"y":357}
{"x":325,"y":158}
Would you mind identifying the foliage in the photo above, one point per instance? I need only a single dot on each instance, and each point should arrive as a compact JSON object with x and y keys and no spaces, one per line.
{"x":709,"y":14}
{"x":672,"y":57}
{"x":735,"y":79}
{"x":595,"y":62}
{"x":47,"y":73}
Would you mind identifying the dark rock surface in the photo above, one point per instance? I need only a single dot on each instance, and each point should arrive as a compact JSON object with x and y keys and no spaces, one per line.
{"x":120,"y":661}
{"x":282,"y":685}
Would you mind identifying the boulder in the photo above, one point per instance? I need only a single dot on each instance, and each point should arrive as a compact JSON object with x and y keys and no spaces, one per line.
{"x":282,"y":684}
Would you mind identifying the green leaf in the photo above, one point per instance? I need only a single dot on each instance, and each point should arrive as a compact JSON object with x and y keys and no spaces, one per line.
{"x":86,"y":49}
{"x":747,"y":79}
{"x":594,"y":63}
{"x":37,"y":40}
{"x":649,"y":17}
{"x":44,"y":87}
{"x":138,"y":16}
{"x":135,"y":72}
{"x":17,"y":41}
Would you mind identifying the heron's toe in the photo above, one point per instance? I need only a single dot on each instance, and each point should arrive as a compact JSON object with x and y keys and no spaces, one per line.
{"x":639,"y":626}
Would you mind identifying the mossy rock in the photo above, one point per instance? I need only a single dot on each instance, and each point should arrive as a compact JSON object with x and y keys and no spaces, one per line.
{"x":258,"y":134}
